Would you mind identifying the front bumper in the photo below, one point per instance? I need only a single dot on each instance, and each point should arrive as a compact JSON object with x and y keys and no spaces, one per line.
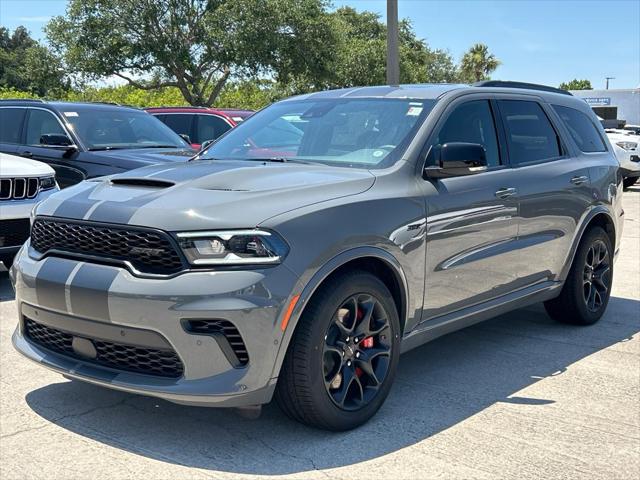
{"x":71,"y":294}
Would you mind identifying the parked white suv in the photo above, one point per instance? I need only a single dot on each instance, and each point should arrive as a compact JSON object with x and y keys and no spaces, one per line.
{"x":23,"y":183}
{"x":627,"y":149}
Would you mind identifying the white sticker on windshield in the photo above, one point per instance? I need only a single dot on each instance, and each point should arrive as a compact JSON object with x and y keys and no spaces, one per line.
{"x":70,"y":114}
{"x":414,"y":111}
{"x":237,"y":119}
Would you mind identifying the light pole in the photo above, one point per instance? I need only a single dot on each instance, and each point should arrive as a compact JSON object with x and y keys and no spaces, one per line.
{"x":393,"y":60}
{"x":607,"y":79}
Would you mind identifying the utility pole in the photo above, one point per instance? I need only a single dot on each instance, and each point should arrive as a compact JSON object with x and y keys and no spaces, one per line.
{"x":609,"y":78}
{"x":393,"y":57}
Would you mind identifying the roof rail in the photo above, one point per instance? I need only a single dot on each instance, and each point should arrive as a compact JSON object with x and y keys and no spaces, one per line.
{"x":35,"y":100}
{"x":528,"y":86}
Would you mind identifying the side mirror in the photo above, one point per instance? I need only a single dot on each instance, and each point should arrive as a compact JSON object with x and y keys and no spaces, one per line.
{"x":457,"y":159}
{"x":206,"y":144}
{"x":185,"y":137}
{"x":55,"y":140}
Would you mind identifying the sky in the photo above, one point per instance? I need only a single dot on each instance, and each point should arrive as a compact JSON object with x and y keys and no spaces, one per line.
{"x":542,"y":41}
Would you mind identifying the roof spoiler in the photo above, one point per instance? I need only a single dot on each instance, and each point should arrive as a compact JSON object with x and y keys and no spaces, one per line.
{"x":528,"y":86}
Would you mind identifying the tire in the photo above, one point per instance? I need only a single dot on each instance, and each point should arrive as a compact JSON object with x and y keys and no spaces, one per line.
{"x":629,"y":182}
{"x":313,"y":367}
{"x":583,"y":299}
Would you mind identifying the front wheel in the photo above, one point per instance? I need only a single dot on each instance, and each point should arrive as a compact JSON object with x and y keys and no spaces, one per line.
{"x":586,"y":291}
{"x":343,"y":356}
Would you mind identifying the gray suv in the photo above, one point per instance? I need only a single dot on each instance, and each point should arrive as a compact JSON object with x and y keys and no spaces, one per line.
{"x":303,"y":252}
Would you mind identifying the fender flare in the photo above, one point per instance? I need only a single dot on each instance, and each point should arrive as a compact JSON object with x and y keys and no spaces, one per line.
{"x":589,"y":216}
{"x":310,"y":287}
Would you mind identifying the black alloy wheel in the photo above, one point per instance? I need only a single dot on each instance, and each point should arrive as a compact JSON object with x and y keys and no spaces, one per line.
{"x":357,"y":351}
{"x":597,"y":270}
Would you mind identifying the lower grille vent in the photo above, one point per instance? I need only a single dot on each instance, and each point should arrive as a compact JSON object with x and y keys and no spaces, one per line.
{"x":225,"y":332}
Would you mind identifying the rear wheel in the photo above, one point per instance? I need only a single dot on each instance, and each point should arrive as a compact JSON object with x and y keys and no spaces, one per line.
{"x":586,"y":291}
{"x":629,"y":182}
{"x":343,"y":357}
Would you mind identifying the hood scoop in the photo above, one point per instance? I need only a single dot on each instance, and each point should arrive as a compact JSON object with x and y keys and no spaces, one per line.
{"x":141,"y":182}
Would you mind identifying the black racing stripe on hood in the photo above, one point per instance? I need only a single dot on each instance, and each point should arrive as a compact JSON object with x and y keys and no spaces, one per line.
{"x":76,"y":206}
{"x":121,"y":212}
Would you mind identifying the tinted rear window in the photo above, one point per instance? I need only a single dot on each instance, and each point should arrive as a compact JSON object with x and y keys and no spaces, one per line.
{"x":530,"y":135}
{"x":581,"y":129}
{"x":10,"y":123}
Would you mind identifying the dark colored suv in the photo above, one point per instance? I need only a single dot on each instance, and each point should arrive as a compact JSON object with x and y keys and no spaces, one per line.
{"x":301,"y":253}
{"x":85,"y":140}
{"x":200,"y":124}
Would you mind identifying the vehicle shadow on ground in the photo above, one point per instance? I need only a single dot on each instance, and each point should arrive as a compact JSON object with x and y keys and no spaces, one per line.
{"x":438,"y":386}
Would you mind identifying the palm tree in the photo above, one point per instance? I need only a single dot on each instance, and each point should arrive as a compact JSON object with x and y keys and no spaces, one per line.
{"x":477,"y":64}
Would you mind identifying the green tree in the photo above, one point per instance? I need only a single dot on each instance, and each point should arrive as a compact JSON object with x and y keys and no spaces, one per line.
{"x":195,"y":46}
{"x":27,"y":65}
{"x":576,"y":84}
{"x":477,"y":64}
{"x":360,"y":54}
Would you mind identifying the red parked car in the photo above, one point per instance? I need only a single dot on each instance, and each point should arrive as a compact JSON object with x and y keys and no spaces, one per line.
{"x":199,"y":123}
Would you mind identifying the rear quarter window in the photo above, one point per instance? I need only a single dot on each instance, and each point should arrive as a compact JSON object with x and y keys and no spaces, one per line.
{"x":581,"y":128}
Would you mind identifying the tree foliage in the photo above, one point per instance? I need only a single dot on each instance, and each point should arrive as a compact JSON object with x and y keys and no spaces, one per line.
{"x":576,"y":84}
{"x":195,"y":46}
{"x":477,"y":64}
{"x":28,"y":66}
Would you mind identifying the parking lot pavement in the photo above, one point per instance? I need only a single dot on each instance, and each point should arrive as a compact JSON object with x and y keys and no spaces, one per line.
{"x":518,"y":396}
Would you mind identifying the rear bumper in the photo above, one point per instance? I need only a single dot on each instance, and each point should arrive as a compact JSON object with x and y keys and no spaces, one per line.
{"x":99,"y":302}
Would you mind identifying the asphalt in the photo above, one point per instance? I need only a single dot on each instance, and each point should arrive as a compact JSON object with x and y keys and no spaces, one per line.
{"x":518,"y":396}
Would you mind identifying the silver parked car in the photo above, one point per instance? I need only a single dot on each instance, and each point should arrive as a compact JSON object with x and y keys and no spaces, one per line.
{"x":301,"y":253}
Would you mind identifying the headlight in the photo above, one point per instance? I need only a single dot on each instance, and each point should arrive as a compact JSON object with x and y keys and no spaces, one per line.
{"x":233,"y":247}
{"x":47,"y":183}
{"x":627,"y":145}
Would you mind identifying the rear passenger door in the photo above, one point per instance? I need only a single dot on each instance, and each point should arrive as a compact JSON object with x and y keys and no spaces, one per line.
{"x":553,"y":187}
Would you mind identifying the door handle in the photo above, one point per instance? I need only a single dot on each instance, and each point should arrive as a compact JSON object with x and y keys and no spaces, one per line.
{"x":579,"y":180}
{"x":26,"y":154}
{"x":506,"y":192}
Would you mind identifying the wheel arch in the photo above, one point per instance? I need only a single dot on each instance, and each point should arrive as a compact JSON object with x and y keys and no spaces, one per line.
{"x":372,"y":259}
{"x":597,"y":217}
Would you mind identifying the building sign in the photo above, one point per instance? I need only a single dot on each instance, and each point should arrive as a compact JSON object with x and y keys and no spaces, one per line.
{"x":598,"y":101}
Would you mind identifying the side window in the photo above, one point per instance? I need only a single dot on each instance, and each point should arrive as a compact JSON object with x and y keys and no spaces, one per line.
{"x":10,"y":123}
{"x":581,"y":129}
{"x":210,"y":127}
{"x":472,"y":122}
{"x":179,"y":123}
{"x":530,"y":135}
{"x":41,"y":123}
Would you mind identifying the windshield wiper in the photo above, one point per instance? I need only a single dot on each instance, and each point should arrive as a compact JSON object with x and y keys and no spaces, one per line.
{"x":282,"y":160}
{"x":98,"y":149}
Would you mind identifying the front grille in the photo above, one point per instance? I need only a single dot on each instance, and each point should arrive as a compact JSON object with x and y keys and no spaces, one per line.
{"x":149,"y":251}
{"x":14,"y":233}
{"x":129,"y":358}
{"x":19,"y":188}
{"x":227,"y":330}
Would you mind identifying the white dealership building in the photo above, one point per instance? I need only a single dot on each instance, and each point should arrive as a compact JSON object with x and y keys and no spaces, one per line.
{"x":610,"y":105}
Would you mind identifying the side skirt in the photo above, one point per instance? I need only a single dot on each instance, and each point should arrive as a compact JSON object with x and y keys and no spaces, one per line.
{"x":439,"y":326}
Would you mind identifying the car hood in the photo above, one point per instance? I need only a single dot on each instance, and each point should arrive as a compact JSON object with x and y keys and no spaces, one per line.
{"x":140,"y":157}
{"x":203,"y":195}
{"x":13,"y":166}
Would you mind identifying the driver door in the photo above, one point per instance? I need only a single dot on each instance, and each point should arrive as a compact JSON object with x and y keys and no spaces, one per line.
{"x":472,"y":220}
{"x":41,"y":122}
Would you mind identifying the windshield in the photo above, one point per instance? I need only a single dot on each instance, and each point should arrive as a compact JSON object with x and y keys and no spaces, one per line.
{"x":107,"y":129}
{"x":364,"y":132}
